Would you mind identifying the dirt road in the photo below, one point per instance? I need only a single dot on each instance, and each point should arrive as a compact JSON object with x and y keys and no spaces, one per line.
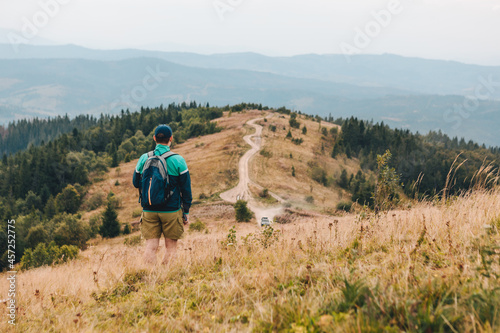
{"x":241,"y":191}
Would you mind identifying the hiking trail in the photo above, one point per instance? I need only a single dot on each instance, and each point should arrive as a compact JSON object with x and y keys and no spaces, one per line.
{"x":241,"y":191}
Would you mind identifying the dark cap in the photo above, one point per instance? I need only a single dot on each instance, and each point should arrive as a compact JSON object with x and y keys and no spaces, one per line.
{"x":163,"y":131}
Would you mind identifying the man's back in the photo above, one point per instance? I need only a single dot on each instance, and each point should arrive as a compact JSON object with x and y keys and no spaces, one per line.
{"x":179,"y":181}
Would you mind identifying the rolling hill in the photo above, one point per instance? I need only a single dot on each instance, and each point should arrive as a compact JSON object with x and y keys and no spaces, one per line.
{"x":461,"y":100}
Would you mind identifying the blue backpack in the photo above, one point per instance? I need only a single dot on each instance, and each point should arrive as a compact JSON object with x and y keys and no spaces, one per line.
{"x":155,"y":189}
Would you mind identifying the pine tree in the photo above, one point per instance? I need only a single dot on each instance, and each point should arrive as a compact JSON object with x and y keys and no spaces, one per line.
{"x":126,"y":230}
{"x":293,"y":171}
{"x":289,"y":134}
{"x":110,"y":226}
{"x":343,"y":181}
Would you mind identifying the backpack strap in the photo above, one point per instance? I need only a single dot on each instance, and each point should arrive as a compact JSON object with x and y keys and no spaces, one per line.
{"x":168,"y":154}
{"x":151,"y":154}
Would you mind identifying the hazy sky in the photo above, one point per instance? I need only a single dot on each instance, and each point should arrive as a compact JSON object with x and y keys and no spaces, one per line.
{"x":463,"y":30}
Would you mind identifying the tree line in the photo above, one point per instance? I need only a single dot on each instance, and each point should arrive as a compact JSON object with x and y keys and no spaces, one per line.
{"x":422,"y":161}
{"x":23,"y":133}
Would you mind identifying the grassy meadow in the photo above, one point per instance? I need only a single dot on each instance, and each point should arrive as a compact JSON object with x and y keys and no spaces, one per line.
{"x":430,"y":268}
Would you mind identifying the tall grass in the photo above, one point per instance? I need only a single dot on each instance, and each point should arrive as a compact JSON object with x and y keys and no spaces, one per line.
{"x":433,"y":268}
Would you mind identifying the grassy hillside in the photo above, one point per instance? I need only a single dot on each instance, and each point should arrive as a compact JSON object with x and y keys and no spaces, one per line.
{"x":418,"y":270}
{"x":273,"y":167}
{"x":430,"y":267}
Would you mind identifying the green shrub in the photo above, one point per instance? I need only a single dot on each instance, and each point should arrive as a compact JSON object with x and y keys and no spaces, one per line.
{"x":310,"y":199}
{"x":318,"y":174}
{"x":113,"y":200}
{"x":70,"y":230}
{"x":243,"y":214}
{"x":126,"y":229}
{"x":387,"y":183}
{"x":197,"y":226}
{"x":266,"y":153}
{"x":68,"y":200}
{"x":293,"y":121}
{"x":345,"y":206}
{"x":36,"y":235}
{"x":48,"y":254}
{"x":95,"y":201}
{"x":95,"y":222}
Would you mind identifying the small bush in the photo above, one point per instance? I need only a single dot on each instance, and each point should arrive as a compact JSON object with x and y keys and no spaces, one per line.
{"x":197,"y":226}
{"x":297,"y":141}
{"x":243,"y":214}
{"x":293,"y":121}
{"x":319,"y":174}
{"x":95,"y":201}
{"x":310,"y":199}
{"x":117,"y":183}
{"x":114,"y":200}
{"x":266,"y":153}
{"x":264,"y":193}
{"x":272,"y":128}
{"x":126,"y":229}
{"x":345,"y":206}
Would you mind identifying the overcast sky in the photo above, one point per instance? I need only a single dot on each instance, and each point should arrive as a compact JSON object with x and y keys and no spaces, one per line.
{"x":463,"y":30}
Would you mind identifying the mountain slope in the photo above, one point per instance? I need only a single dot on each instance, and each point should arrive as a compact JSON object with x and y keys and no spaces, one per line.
{"x":49,"y":87}
{"x":403,"y":92}
{"x":391,"y":71}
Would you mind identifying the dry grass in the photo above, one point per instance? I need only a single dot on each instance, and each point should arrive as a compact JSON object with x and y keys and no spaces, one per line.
{"x":275,"y":172}
{"x":294,"y":284}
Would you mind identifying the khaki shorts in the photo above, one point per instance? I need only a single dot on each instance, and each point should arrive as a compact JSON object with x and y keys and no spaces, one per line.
{"x":168,"y":224}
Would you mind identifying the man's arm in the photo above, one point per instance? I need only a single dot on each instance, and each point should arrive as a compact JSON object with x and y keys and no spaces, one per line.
{"x":184,"y":184}
{"x":136,"y":179}
{"x":185,"y":189}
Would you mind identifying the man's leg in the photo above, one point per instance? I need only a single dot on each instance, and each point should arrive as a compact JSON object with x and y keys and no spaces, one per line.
{"x":150,"y":252}
{"x":170,"y":250}
{"x":151,"y":231}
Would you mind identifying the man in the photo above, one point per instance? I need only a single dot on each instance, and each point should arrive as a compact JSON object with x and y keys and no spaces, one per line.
{"x":170,"y":217}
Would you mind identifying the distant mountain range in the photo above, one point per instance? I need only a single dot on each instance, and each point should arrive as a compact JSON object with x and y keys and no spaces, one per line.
{"x":462,"y":100}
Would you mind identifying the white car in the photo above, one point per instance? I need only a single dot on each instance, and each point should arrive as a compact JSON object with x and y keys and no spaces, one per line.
{"x":264,"y":221}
